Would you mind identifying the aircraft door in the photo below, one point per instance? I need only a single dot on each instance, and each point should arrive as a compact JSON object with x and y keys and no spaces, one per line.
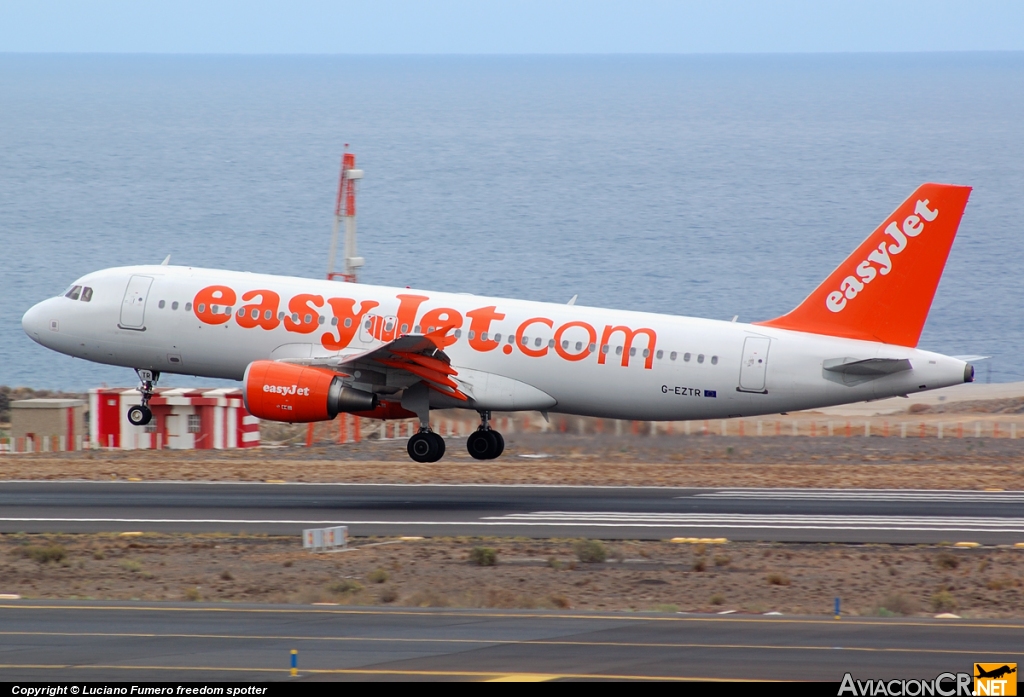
{"x":133,"y":307}
{"x":755,"y":364}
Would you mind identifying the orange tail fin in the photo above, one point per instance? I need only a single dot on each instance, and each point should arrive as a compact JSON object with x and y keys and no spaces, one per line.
{"x":883,"y":291}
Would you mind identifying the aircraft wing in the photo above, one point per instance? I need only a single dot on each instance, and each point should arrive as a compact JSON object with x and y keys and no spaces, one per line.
{"x":414,"y":357}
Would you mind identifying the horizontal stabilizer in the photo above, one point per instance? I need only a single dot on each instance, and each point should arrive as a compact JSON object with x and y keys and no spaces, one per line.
{"x":972,"y":358}
{"x":869,"y":367}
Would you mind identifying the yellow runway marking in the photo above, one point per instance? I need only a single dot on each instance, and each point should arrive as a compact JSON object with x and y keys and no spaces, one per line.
{"x":508,"y":642}
{"x":523,"y":677}
{"x":369,"y":671}
{"x":510,"y":615}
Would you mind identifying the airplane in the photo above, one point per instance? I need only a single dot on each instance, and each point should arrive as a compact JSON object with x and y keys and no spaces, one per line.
{"x":307,"y":350}
{"x":995,"y":672}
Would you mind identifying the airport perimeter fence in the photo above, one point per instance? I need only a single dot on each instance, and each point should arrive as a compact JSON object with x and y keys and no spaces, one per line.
{"x":453,"y":425}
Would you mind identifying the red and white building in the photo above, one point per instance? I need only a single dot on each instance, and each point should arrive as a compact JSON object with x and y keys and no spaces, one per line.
{"x":183,"y":419}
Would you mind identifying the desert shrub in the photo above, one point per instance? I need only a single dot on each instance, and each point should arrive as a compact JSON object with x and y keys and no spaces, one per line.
{"x":388,"y":595}
{"x":98,"y":555}
{"x":378,"y":575}
{"x":665,"y":607}
{"x":556,"y":563}
{"x":943,"y":602}
{"x":899,"y":604}
{"x":998,"y":584}
{"x":288,"y":564}
{"x":43,"y":555}
{"x":559,"y":601}
{"x":700,"y":565}
{"x":723,"y":560}
{"x":131,"y":565}
{"x":778,"y":579}
{"x":191,"y":594}
{"x":590,"y":551}
{"x":345,"y":585}
{"x":483,"y":556}
{"x":225,"y":575}
{"x":717,"y":599}
{"x":946,"y":560}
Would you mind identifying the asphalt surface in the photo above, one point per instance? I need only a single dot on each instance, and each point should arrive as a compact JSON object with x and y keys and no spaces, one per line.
{"x":797,"y":515}
{"x":64,"y":641}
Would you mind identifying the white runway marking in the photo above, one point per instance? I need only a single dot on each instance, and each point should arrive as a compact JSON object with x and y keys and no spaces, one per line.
{"x":927,"y":496}
{"x":760,"y":521}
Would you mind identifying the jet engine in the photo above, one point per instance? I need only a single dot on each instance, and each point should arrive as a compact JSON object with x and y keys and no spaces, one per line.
{"x":296,"y":393}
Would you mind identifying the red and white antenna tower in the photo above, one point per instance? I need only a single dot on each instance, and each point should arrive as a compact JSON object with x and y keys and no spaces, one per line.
{"x":345,"y":210}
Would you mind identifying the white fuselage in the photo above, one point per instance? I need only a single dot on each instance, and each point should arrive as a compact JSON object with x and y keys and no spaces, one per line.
{"x":680,"y":367}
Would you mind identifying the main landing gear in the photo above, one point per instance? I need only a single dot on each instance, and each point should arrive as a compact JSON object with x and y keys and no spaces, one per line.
{"x":485,"y":443}
{"x":426,"y":446}
{"x":140,"y":414}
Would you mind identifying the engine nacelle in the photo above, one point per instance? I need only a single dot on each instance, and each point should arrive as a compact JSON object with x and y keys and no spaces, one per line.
{"x":295,"y":393}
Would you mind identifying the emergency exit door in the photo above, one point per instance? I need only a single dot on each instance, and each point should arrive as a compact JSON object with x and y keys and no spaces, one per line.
{"x":754,"y":367}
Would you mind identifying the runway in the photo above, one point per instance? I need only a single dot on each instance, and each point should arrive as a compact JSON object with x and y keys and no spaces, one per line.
{"x":791,"y":515}
{"x":98,"y":641}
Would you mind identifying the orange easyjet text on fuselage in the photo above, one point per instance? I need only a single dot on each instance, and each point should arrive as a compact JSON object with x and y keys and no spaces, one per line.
{"x":261,"y":309}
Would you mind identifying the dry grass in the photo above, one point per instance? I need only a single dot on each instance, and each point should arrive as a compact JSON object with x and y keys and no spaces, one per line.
{"x":788,"y":578}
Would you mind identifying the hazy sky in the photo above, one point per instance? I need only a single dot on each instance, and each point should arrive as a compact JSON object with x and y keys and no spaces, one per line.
{"x":508,"y":26}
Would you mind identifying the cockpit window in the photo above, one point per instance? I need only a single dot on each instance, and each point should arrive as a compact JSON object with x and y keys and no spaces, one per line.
{"x":74,"y":292}
{"x":86,"y":294}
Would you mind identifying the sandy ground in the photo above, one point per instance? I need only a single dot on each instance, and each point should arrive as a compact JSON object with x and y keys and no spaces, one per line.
{"x":553,"y":458}
{"x":745,"y":577}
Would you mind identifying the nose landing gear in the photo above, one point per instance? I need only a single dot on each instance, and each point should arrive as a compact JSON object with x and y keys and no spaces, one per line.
{"x":140,"y":414}
{"x":485,"y":443}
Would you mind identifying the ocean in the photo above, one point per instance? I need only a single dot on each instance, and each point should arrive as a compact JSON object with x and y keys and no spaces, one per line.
{"x":710,"y":186}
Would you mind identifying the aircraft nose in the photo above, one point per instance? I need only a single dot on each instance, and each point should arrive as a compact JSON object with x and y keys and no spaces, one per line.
{"x":37,"y":321}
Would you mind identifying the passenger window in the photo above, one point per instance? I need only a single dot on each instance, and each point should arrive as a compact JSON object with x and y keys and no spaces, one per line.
{"x":551,"y":343}
{"x":672,"y":356}
{"x":268,"y":314}
{"x":416,"y":329}
{"x":659,"y":354}
{"x":686,"y":357}
{"x":201,"y":308}
{"x":592,"y":348}
{"x":714,"y":360}
{"x":348,"y":322}
{"x":322,"y":319}
{"x":74,"y":293}
{"x":483,"y":336}
{"x":255,"y":313}
{"x":161,"y":304}
{"x":472,"y":335}
{"x":188,"y":307}
{"x":405,"y":328}
{"x":565,"y":344}
{"x":647,"y":352}
{"x":632,"y":351}
{"x":295,"y":317}
{"x":174,"y":305}
{"x":524,"y":340}
{"x":537,"y":342}
{"x":579,"y":345}
{"x":86,"y":294}
{"x":605,"y":348}
{"x":511,"y":338}
{"x":700,"y":357}
{"x":618,"y":350}
{"x":307,"y":319}
{"x":458,"y":333}
{"x":369,"y":323}
{"x":213,"y":308}
{"x":228,"y":310}
{"x":497,"y":337}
